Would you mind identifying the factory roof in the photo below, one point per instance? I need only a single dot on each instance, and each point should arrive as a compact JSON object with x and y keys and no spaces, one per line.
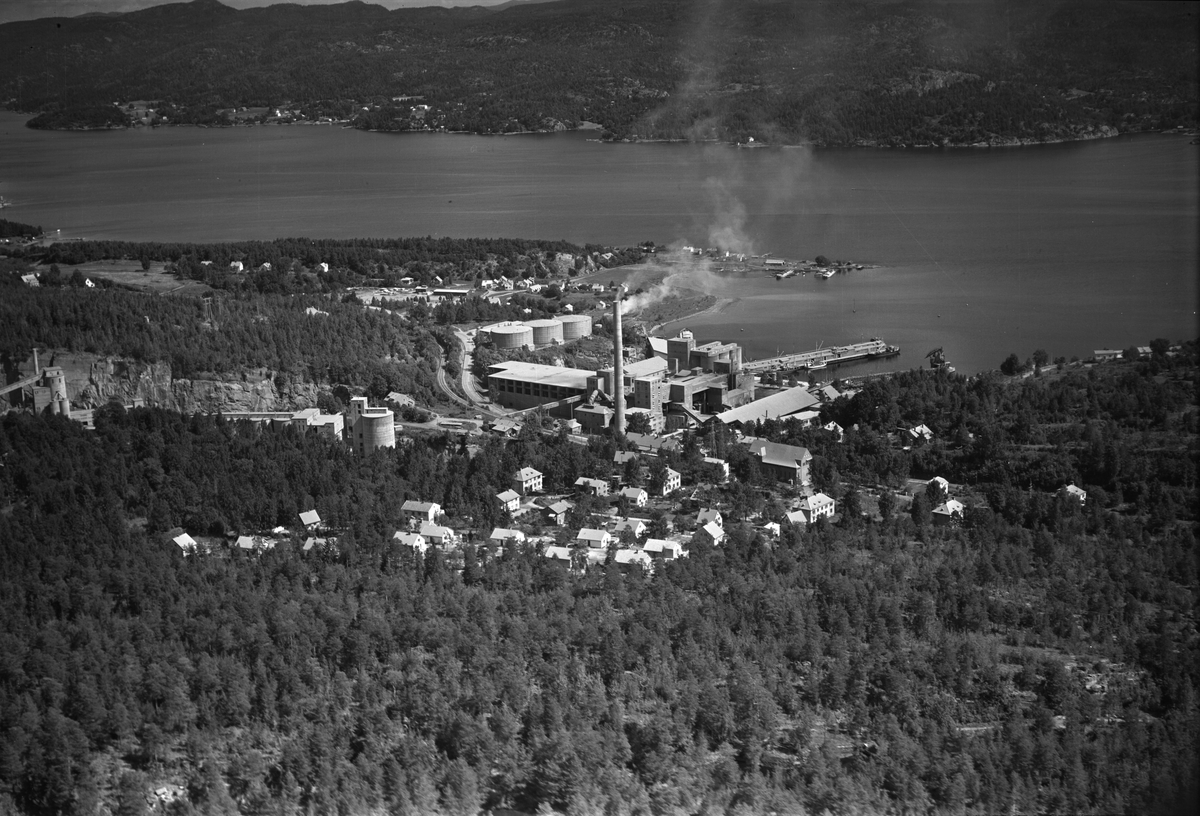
{"x":547,"y":375}
{"x":777,"y":405}
{"x":645,"y":368}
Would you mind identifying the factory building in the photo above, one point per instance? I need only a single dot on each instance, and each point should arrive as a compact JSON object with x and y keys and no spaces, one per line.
{"x":681,"y":390}
{"x":370,"y":428}
{"x":526,"y":385}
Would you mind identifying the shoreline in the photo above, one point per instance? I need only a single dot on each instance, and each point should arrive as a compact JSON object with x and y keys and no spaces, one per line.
{"x":593,"y":127}
{"x":712,"y":305}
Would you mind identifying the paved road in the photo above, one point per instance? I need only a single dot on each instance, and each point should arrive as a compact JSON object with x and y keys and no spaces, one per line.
{"x":464,"y":363}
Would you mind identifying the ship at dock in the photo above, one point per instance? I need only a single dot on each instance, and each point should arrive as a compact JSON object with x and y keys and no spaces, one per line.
{"x":821,"y":358}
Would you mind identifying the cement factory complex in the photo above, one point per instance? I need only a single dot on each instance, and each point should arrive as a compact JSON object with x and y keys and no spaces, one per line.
{"x":680,"y":384}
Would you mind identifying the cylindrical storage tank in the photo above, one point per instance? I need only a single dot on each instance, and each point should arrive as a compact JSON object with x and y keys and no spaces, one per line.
{"x":575,"y":327}
{"x":546,"y":332}
{"x":378,"y":430}
{"x":511,"y":336}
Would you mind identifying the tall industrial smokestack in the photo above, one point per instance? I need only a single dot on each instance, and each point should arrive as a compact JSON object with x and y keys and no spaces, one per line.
{"x":618,"y":363}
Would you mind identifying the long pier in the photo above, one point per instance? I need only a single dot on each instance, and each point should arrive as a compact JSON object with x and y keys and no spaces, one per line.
{"x":823,"y":356}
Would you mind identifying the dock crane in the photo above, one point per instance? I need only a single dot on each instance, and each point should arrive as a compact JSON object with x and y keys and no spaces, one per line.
{"x":936,"y":358}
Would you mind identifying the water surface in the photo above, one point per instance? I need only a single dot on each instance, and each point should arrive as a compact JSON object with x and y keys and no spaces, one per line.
{"x":1063,"y":247}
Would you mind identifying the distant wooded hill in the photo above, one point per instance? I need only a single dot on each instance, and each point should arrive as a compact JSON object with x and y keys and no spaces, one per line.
{"x":775,"y":70}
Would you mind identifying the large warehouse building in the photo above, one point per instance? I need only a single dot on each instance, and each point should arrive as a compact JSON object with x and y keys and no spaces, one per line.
{"x":525,"y":385}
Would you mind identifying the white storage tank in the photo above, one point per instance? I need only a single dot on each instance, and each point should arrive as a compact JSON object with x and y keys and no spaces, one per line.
{"x":546,"y":332}
{"x":575,"y":327}
{"x":511,"y":335}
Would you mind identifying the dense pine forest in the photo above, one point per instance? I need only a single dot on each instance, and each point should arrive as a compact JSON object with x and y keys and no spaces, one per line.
{"x":1040,"y":657}
{"x":862,"y":73}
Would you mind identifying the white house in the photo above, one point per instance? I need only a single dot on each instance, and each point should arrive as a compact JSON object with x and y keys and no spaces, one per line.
{"x":436,"y":534}
{"x":414,"y":540}
{"x":421,"y":511}
{"x":717,"y":469}
{"x":949,"y":513}
{"x":920,"y":433}
{"x":310,"y":519}
{"x":710,"y":514}
{"x":557,"y":512}
{"x":185,"y":542}
{"x":597,"y":487}
{"x":816,"y":506}
{"x":711,"y":533}
{"x":940,"y":482}
{"x":630,"y":558}
{"x":1077,"y":493}
{"x":661,"y":548}
{"x":772,"y":529}
{"x":510,"y":500}
{"x":501,"y":534}
{"x":835,"y":429}
{"x":594,"y":539}
{"x":672,"y":482}
{"x":562,"y":554}
{"x":636,"y":526}
{"x":527,"y":481}
{"x":636,"y":495}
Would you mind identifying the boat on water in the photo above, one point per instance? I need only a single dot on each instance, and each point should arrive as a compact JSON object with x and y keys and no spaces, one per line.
{"x":886,"y":351}
{"x":816,"y":365}
{"x":825,"y":274}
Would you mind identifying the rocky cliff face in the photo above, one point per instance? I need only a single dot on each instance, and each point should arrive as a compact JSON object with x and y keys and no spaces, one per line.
{"x":93,"y":380}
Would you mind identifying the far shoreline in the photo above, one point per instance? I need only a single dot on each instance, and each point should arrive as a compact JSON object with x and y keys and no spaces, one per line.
{"x":591,"y":127}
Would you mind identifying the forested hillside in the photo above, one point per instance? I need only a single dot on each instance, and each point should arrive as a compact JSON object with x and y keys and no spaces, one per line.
{"x":293,"y":265}
{"x":311,"y":339}
{"x":779,"y":71}
{"x":1041,"y":657}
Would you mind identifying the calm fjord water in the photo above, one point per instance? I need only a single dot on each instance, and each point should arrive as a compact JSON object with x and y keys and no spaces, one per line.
{"x":1063,"y":247}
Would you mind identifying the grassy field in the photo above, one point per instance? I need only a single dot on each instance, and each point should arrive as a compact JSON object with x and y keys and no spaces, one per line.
{"x":131,"y":274}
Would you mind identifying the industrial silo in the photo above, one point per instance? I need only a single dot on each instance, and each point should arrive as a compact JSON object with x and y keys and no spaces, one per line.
{"x":511,"y":335}
{"x":575,"y":327}
{"x":546,"y":332}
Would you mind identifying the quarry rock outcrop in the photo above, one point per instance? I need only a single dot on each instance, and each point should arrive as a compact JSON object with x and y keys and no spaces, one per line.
{"x":94,"y":380}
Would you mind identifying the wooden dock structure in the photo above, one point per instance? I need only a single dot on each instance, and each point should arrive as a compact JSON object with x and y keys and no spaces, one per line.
{"x":823,"y":357}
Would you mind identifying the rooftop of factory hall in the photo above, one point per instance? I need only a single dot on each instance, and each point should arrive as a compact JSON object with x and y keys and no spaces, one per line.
{"x":544,"y":374}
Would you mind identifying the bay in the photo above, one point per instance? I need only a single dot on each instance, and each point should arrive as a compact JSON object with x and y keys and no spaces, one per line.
{"x":982,"y":252}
